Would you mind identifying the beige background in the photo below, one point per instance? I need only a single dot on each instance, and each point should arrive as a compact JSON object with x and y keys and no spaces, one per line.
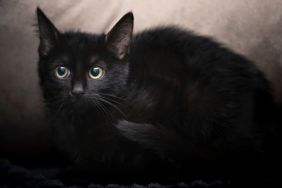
{"x":250,"y":27}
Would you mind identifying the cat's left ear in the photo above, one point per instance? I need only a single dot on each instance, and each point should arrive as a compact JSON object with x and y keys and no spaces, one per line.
{"x":118,"y":39}
{"x":48,"y":33}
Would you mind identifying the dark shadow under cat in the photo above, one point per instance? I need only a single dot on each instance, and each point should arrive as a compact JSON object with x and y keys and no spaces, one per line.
{"x":162,"y":105}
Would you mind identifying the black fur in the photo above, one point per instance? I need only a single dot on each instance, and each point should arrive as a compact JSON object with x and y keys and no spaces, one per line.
{"x":169,"y":99}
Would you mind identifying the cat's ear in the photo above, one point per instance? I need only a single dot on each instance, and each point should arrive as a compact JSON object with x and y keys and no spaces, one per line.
{"x":118,"y":39}
{"x":48,"y":34}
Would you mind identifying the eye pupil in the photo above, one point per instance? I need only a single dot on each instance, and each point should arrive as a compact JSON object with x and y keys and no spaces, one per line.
{"x":61,"y":71}
{"x":95,"y":71}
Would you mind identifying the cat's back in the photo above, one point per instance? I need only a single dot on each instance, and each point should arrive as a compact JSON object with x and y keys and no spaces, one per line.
{"x":172,"y":40}
{"x":179,"y":67}
{"x":174,"y":54}
{"x":160,"y":43}
{"x":169,"y":48}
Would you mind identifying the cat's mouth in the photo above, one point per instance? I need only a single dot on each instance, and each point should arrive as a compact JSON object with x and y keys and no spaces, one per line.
{"x":79,"y":100}
{"x":76,"y":95}
{"x":83,"y":100}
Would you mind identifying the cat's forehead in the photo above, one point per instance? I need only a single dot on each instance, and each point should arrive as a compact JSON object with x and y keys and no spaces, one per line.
{"x":84,"y":41}
{"x":81,"y":46}
{"x":70,"y":59}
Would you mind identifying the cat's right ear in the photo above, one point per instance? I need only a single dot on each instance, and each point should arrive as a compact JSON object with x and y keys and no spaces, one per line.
{"x":48,"y":33}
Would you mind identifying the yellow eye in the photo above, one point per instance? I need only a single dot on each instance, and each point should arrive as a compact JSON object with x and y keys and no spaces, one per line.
{"x":62,"y":72}
{"x":96,"y":73}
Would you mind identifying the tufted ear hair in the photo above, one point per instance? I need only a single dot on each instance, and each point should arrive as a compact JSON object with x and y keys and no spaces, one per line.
{"x":48,"y":34}
{"x":119,"y":37}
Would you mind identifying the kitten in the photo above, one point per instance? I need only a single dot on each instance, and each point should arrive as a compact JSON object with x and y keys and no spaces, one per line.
{"x":161,"y":101}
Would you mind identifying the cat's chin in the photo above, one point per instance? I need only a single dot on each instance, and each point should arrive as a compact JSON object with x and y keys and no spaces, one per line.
{"x":76,"y":102}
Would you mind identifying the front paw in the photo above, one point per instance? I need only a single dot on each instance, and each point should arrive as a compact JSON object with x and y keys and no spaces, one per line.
{"x":131,"y":130}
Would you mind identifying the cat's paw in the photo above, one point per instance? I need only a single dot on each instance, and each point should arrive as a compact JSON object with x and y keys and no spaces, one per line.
{"x":138,"y":132}
{"x":129,"y":129}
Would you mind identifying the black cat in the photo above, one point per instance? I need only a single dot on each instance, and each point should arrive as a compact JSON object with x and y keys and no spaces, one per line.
{"x":163,"y":101}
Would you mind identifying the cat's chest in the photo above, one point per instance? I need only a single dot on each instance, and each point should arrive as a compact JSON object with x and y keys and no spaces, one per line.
{"x":86,"y":140}
{"x":85,"y":129}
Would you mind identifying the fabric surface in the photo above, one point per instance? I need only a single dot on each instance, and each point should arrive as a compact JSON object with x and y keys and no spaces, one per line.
{"x":12,"y":175}
{"x":17,"y":176}
{"x":250,"y":27}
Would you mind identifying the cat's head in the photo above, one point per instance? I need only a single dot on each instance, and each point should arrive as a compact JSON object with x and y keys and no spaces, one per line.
{"x":79,"y":67}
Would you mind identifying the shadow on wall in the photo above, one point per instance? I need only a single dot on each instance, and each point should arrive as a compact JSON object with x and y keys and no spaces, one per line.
{"x":22,"y":126}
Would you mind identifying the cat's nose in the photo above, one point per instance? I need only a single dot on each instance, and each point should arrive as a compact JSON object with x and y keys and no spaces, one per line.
{"x":77,"y":90}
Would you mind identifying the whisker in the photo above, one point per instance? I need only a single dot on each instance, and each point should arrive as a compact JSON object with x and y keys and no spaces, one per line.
{"x":59,"y":109}
{"x":113,"y":105}
{"x":101,"y":107}
{"x":112,"y":100}
{"x":111,"y":95}
{"x":106,"y":110}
